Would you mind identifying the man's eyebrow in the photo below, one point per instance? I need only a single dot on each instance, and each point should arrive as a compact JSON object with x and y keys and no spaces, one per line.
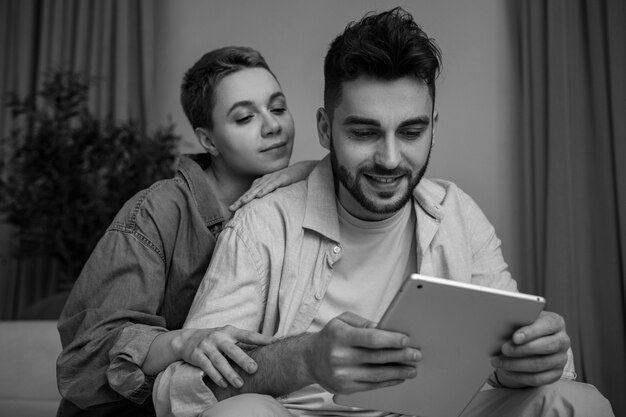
{"x":358,"y":120}
{"x":250,"y":103}
{"x":420,"y":120}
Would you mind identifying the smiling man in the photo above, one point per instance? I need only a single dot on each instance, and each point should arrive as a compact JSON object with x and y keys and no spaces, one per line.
{"x":317,"y":263}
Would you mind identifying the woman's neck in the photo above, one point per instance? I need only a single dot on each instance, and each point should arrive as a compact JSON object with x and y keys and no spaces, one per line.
{"x":229,"y":186}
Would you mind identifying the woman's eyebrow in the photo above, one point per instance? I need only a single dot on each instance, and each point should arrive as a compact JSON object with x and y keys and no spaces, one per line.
{"x":250,"y":103}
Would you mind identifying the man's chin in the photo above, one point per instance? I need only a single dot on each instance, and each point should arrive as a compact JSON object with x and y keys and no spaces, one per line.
{"x":384,"y":203}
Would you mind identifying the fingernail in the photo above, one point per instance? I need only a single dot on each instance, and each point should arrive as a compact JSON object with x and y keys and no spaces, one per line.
{"x":412,"y":373}
{"x":519,"y":337}
{"x":222,"y":383}
{"x":251,"y":367}
{"x":238,"y":382}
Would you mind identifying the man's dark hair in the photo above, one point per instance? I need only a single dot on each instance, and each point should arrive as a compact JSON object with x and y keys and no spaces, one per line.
{"x":197,"y":94}
{"x":388,"y":46}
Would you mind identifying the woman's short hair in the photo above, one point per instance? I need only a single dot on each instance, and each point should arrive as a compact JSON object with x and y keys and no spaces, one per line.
{"x":197,"y":94}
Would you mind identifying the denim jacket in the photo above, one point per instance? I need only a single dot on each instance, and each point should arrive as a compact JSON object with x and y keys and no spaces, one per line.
{"x":274,"y":261}
{"x":139,"y":282}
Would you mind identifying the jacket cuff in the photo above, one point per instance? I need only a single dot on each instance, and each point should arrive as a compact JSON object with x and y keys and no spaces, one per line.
{"x":124,"y":373}
{"x":180,"y":391}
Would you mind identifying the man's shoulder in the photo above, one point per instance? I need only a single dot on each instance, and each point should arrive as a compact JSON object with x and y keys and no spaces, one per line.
{"x":286,"y":203}
{"x":439,"y":196}
{"x":437,"y":191}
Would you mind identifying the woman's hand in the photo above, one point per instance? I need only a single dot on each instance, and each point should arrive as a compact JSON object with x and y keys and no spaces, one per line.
{"x":269,"y":182}
{"x":208,"y":349}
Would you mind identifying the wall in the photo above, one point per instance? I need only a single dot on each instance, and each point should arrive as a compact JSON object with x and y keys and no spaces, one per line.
{"x":475,"y":143}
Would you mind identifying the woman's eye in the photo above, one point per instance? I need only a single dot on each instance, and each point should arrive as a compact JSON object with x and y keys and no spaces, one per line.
{"x":244,"y":119}
{"x":279,"y":110}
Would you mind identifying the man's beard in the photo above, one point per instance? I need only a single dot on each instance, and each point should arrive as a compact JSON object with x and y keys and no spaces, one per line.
{"x":357,"y":190}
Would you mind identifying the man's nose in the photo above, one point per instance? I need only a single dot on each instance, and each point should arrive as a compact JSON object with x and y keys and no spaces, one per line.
{"x":388,"y":153}
{"x":271,"y":126}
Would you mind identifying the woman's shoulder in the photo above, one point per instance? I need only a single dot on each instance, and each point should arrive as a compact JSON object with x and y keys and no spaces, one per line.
{"x":164,"y":200}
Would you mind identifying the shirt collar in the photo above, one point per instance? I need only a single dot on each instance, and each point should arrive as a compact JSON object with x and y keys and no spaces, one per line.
{"x":321,"y":205}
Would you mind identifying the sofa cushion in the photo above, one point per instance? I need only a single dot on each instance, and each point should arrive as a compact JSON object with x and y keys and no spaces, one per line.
{"x":29,"y":350}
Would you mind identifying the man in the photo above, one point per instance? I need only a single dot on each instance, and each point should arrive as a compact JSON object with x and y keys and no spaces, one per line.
{"x":317,"y":263}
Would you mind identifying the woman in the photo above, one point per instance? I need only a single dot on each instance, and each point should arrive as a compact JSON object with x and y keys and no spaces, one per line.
{"x":122,"y":322}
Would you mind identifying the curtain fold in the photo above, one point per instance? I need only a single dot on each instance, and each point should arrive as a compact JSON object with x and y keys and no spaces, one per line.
{"x":573,"y":59}
{"x":108,"y":41}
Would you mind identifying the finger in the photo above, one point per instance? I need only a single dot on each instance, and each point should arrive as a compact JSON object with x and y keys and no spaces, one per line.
{"x":383,"y":373}
{"x":236,"y":205}
{"x":548,"y":323}
{"x":240,"y":357}
{"x":376,"y":339}
{"x":407,"y":356}
{"x":223,"y":367}
{"x":534,"y":379}
{"x":532,"y":364}
{"x":366,"y":386}
{"x":266,"y":189}
{"x":355,"y":320}
{"x":250,"y":337}
{"x":543,"y":346}
{"x":207,"y":367}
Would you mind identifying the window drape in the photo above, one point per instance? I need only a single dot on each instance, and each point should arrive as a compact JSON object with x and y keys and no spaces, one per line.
{"x":573,"y":64}
{"x":111,"y":42}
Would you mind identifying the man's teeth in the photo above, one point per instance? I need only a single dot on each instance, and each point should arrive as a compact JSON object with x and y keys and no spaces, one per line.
{"x":383,"y":179}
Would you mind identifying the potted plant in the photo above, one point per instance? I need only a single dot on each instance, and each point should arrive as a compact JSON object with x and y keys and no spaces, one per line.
{"x":65,"y":173}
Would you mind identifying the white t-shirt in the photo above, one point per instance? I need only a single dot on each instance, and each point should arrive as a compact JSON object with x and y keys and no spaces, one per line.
{"x":376,"y":258}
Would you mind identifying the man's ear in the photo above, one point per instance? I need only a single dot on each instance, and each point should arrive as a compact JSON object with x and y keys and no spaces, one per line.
{"x":435,"y":120}
{"x":323,"y":128}
{"x":206,"y":140}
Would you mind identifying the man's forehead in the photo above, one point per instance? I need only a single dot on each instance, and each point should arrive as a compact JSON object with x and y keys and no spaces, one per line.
{"x":374,"y":98}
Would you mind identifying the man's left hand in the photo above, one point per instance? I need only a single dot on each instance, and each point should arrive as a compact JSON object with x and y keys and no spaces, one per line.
{"x":535,"y":355}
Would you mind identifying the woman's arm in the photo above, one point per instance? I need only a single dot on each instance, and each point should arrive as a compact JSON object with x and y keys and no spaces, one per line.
{"x":207,"y":349}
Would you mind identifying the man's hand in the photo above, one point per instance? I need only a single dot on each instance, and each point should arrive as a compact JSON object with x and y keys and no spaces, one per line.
{"x":208,"y":348}
{"x":349,"y":354}
{"x":536,"y":355}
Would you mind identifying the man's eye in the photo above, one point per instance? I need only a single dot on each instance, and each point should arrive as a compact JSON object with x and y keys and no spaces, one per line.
{"x":363,"y":134}
{"x":243,"y":120}
{"x":411,"y":133}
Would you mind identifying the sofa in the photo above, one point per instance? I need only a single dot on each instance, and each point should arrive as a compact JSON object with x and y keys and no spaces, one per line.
{"x":28,"y":353}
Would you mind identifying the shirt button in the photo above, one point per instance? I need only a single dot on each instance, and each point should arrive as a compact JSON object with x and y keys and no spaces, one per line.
{"x":337,"y":249}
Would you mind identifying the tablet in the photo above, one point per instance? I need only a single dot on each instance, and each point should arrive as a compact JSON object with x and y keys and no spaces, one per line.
{"x":458,"y":327}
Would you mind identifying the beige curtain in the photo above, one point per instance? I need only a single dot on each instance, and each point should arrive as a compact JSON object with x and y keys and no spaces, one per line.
{"x":109,"y":41}
{"x":573,"y":61}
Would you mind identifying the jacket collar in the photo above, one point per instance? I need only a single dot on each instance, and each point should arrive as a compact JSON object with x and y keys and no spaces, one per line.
{"x":201,"y":189}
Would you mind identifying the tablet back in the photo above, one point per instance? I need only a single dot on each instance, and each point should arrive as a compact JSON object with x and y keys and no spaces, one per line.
{"x":458,"y":328}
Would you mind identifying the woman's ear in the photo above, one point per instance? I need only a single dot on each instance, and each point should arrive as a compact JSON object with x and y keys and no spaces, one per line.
{"x":206,"y":140}
{"x":323,"y":128}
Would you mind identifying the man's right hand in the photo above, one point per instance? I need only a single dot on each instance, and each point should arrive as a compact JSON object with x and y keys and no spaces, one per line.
{"x":349,"y":355}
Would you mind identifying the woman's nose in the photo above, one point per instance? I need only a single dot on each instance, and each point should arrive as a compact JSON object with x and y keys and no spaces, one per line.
{"x":271,"y":126}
